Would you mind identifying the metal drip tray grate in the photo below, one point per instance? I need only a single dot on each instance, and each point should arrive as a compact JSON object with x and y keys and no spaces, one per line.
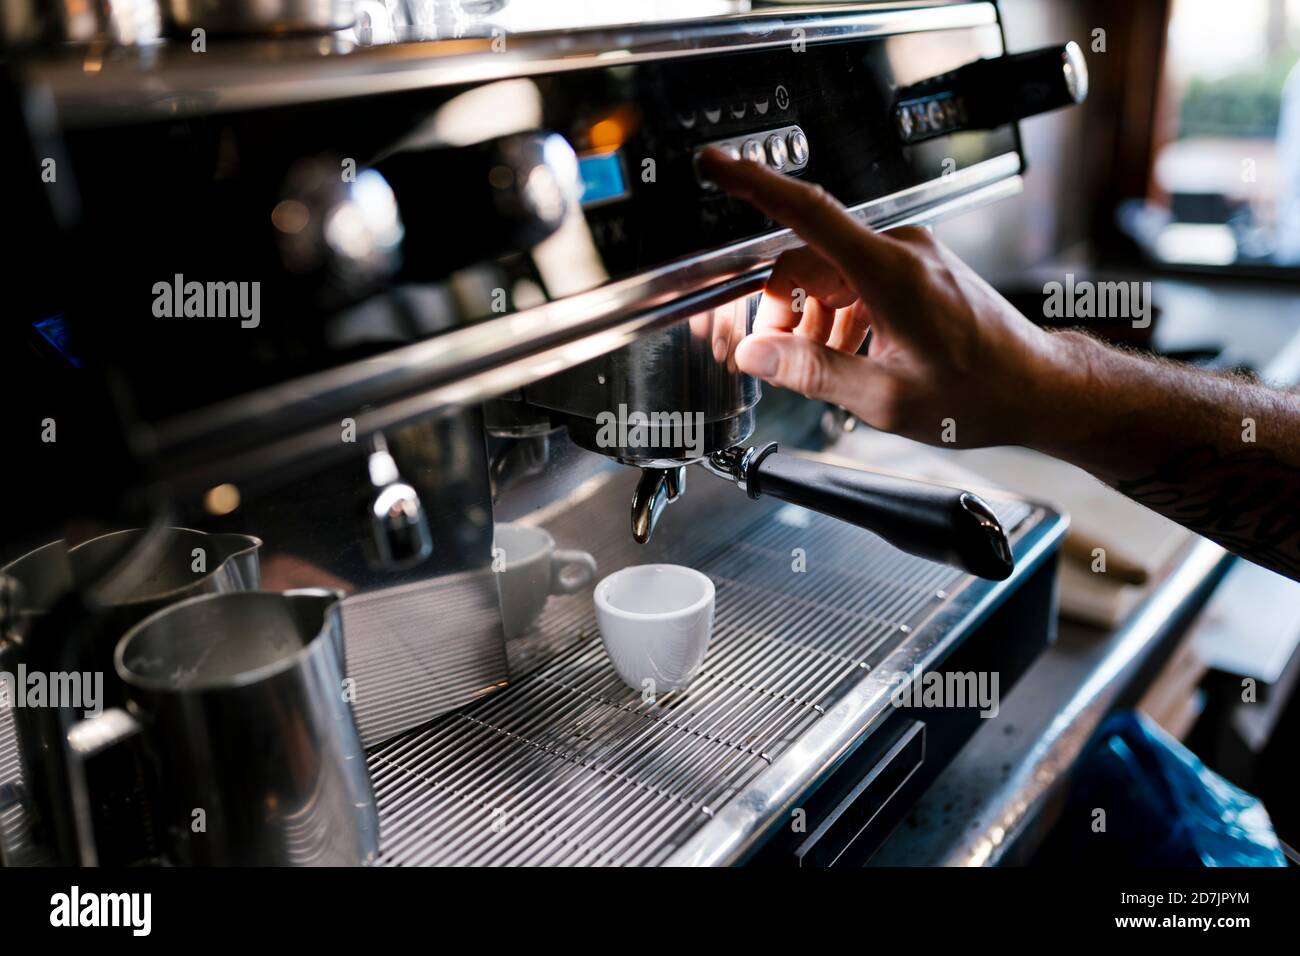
{"x":570,"y":766}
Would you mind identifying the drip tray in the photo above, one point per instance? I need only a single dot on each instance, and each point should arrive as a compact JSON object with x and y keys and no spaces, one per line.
{"x":568,"y":765}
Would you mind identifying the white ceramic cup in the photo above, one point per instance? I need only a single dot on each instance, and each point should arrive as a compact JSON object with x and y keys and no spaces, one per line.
{"x":655,"y":621}
{"x":532,"y":570}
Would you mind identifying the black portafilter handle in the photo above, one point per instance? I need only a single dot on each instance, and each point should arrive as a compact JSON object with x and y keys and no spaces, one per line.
{"x":992,"y":92}
{"x":931,"y":521}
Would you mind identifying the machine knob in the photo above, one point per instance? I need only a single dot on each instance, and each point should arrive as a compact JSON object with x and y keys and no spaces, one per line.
{"x":776,"y":152}
{"x":992,"y":92}
{"x":753,"y":151}
{"x":798,"y":144}
{"x":346,"y":229}
{"x":1012,"y":87}
{"x":525,"y":185}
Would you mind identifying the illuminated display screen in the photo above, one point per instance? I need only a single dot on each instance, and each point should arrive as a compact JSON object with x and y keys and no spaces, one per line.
{"x":602,"y":178}
{"x":55,"y":331}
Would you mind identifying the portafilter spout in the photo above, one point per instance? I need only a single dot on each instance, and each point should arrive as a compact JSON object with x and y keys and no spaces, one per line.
{"x":657,"y":488}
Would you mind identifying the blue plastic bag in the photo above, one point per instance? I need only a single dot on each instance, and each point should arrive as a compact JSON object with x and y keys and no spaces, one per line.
{"x":1163,"y":807}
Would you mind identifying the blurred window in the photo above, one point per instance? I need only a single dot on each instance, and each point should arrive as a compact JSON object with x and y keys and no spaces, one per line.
{"x":1226,"y":178}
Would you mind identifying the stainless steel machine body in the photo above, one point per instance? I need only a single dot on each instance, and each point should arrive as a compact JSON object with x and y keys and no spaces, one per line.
{"x":570,"y":766}
{"x":437,"y":344}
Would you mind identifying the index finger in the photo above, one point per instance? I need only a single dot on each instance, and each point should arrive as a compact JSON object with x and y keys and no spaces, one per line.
{"x":812,"y":213}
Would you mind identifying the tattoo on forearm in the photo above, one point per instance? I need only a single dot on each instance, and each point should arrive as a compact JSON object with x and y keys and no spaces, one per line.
{"x":1246,"y":501}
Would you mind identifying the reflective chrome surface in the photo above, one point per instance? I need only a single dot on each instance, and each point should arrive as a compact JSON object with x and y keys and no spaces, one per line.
{"x":54,"y":22}
{"x":671,"y":396}
{"x":140,"y":569}
{"x":279,"y":72}
{"x":568,"y":765}
{"x":399,"y":526}
{"x":658,"y":488}
{"x":124,"y":576}
{"x":520,"y":348}
{"x":348,"y":231}
{"x":404,"y":526}
{"x":1075,"y":67}
{"x":251,"y":17}
{"x":242,"y":707}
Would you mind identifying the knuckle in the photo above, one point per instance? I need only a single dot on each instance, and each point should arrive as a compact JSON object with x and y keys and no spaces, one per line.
{"x":914,"y":235}
{"x":818,"y":197}
{"x":810,"y":375}
{"x":912,"y":267}
{"x":786,"y":270}
{"x":786,"y":265}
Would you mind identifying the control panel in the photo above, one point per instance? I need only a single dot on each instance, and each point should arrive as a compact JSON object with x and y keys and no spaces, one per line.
{"x":827,"y":114}
{"x":784,"y":149}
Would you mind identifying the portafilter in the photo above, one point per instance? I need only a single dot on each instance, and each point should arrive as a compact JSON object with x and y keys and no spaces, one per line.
{"x":676,"y":397}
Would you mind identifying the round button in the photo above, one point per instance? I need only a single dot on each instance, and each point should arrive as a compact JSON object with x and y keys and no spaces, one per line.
{"x":776,"y":152}
{"x":753,"y":151}
{"x":732,"y":151}
{"x":1075,"y":69}
{"x":798,"y":144}
{"x":919,"y":122}
{"x":905,"y":126}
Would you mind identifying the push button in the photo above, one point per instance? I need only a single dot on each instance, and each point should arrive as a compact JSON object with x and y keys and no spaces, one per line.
{"x":776,"y":152}
{"x":798,"y":144}
{"x":783,"y":149}
{"x":731,"y":150}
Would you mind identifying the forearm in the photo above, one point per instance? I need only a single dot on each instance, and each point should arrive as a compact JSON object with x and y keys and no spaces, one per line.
{"x":1216,"y":453}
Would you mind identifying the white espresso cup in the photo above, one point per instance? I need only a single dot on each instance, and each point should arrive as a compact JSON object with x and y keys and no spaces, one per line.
{"x":531,"y":570}
{"x":655,"y":621}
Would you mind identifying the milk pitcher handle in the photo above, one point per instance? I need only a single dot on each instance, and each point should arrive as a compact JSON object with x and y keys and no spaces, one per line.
{"x":87,"y":739}
{"x":94,"y":735}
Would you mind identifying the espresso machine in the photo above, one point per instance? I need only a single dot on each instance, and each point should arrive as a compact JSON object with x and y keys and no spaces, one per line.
{"x":424,"y":308}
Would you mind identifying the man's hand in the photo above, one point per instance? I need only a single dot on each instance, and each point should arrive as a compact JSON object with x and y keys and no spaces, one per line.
{"x":1215,"y":453}
{"x":944,"y":345}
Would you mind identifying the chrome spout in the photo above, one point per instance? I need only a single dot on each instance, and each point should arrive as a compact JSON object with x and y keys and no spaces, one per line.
{"x":657,"y":488}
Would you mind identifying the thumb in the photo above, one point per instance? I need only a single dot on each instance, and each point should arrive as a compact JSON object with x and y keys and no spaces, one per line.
{"x":804,"y":366}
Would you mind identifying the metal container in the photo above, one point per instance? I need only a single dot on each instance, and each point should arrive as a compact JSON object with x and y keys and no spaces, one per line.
{"x":239,"y":703}
{"x":143,"y":570}
{"x":127,"y":575}
{"x":681,"y":380}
